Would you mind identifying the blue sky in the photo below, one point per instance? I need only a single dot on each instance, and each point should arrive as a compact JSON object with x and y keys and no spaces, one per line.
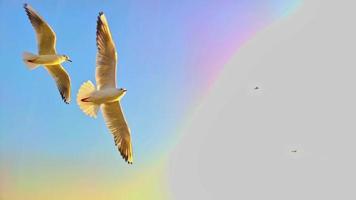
{"x":34,"y":116}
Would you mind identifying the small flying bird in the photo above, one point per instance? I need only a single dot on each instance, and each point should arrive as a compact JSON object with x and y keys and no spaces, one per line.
{"x":106,"y":94}
{"x":47,"y":56}
{"x":256,"y":88}
{"x":294,"y":151}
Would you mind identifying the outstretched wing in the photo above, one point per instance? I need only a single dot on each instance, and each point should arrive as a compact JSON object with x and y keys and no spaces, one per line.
{"x":46,"y":38}
{"x":106,"y":57}
{"x":117,"y":125}
{"x":62,"y":79}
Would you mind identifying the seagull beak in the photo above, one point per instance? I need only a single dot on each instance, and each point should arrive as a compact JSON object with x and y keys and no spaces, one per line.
{"x":124,"y":90}
{"x":69,"y":60}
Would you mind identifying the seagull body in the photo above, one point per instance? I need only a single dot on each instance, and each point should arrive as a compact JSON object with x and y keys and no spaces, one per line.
{"x":47,"y":55}
{"x":36,"y":60}
{"x":106,"y":95}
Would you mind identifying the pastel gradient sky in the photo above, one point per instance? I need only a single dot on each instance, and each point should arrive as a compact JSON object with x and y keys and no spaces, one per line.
{"x":170,"y":53}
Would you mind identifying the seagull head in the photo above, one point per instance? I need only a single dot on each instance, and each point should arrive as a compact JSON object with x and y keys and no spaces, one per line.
{"x":66,"y":58}
{"x":122,"y":91}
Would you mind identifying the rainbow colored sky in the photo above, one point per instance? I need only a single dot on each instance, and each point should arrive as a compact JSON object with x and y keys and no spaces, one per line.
{"x":170,"y":52}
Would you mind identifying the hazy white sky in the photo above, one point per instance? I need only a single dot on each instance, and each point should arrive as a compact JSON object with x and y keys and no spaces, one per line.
{"x":239,"y":143}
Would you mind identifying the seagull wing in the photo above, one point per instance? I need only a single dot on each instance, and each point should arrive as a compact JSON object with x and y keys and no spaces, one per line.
{"x":46,"y":38}
{"x":117,"y":125}
{"x":106,"y":57}
{"x":62,"y":79}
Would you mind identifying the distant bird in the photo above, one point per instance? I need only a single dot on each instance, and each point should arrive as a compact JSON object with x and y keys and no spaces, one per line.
{"x":256,"y":88}
{"x":107,"y":95}
{"x":47,"y":56}
{"x":294,"y":151}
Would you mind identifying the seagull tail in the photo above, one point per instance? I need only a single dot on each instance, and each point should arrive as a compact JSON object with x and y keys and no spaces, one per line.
{"x":89,"y":108}
{"x":28,"y":58}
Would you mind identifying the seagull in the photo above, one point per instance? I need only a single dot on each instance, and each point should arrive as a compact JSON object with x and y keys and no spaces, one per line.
{"x":106,"y":95}
{"x":47,"y":56}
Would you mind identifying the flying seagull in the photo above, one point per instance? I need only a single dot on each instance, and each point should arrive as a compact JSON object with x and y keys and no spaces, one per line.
{"x":107,"y":95}
{"x":47,"y":56}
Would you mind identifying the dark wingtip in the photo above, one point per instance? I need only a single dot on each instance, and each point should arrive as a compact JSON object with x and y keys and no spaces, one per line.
{"x":125,"y":157}
{"x":99,"y":19}
{"x":99,"y":23}
{"x":67,"y":101}
{"x":25,"y":6}
{"x":28,"y":13}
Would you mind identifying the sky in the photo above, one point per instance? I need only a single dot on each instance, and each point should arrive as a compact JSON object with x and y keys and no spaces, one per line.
{"x":294,"y":137}
{"x":170,"y":54}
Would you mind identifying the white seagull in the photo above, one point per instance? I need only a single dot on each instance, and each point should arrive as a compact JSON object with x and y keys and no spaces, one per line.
{"x":107,"y":95}
{"x":47,"y":56}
